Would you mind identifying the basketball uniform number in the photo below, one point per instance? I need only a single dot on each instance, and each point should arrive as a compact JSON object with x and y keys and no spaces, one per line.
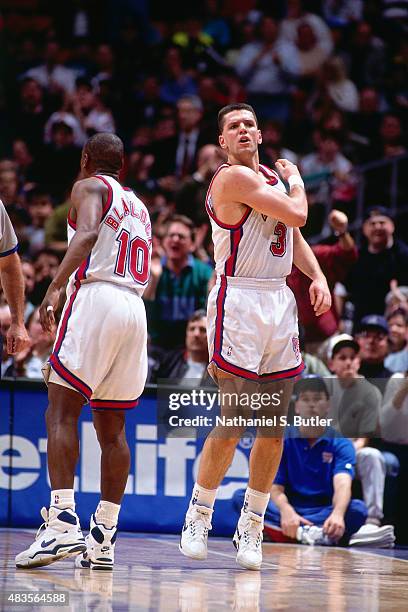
{"x":278,"y":248}
{"x":133,"y":255}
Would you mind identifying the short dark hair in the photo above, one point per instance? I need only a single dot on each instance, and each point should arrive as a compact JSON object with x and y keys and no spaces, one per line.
{"x":105,"y":151}
{"x":311,"y":383}
{"x":233,"y":107}
{"x":398,"y":312}
{"x":181,"y":219}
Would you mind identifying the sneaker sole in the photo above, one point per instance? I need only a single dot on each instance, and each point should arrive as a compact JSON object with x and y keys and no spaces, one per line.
{"x":195,"y":557}
{"x":45,"y":558}
{"x":245,"y":564}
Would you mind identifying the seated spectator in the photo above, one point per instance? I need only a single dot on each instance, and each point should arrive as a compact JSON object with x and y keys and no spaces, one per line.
{"x":338,"y":87}
{"x":56,"y":237}
{"x":311,"y":495}
{"x":29,"y":284}
{"x":46,"y":265}
{"x":177,"y":155}
{"x":178,"y":285}
{"x":396,"y":298}
{"x":304,"y":58}
{"x":29,"y":362}
{"x":90,"y":111}
{"x":188,"y":366}
{"x":58,"y":164}
{"x":296,"y":15}
{"x":335,"y":261}
{"x":40,"y":208}
{"x":176,"y":81}
{"x":397,"y":359}
{"x":380,"y":261}
{"x":355,"y":406}
{"x":366,"y":56}
{"x":372,"y":337}
{"x":30,"y":114}
{"x":272,"y":147}
{"x":365,"y":123}
{"x":313,"y":365}
{"x":52,"y":75}
{"x":342,"y":13}
{"x":190,"y":196}
{"x":9,"y":185}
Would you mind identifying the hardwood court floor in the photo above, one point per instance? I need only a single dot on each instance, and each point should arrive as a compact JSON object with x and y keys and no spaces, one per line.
{"x":151,"y":574}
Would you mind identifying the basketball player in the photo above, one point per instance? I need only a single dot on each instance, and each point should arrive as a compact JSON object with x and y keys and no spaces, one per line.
{"x":252,"y":318}
{"x":99,"y":355}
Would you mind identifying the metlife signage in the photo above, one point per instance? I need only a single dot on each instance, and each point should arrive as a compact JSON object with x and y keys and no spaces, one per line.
{"x":162,"y":472}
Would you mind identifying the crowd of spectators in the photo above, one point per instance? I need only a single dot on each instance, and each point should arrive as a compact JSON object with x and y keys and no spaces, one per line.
{"x":328,"y":82}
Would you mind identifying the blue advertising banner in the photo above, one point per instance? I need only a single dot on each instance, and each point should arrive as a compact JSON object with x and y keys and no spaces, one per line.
{"x":162,"y":472}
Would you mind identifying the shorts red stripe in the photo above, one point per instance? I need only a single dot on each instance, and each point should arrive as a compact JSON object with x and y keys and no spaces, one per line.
{"x":70,"y":378}
{"x":230,"y":263}
{"x":219,"y":324}
{"x":114,"y":404}
{"x":243,"y":373}
{"x":64,"y":323}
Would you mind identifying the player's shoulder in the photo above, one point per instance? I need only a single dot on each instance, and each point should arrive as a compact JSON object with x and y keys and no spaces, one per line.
{"x":89,"y":185}
{"x":237,"y":176}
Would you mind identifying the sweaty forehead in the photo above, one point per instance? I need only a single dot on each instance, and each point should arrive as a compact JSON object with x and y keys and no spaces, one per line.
{"x":239,"y":115}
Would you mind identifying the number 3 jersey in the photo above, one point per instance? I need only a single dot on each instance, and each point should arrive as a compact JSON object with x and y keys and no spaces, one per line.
{"x":121,"y":254}
{"x":255,"y":247}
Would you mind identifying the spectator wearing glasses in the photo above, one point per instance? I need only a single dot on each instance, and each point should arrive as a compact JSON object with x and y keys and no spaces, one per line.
{"x":178,"y":285}
{"x":372,"y":338}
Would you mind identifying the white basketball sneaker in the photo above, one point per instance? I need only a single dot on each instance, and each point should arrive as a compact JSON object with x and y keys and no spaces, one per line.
{"x":197,"y":524}
{"x":100,"y":548}
{"x":248,"y":540}
{"x":60,"y":536}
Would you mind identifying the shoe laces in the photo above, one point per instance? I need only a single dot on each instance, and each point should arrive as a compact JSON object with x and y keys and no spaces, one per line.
{"x":252,"y":532}
{"x":200,"y":523}
{"x":45,"y":515}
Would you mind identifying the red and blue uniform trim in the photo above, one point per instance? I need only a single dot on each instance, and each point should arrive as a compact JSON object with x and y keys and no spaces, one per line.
{"x":211,"y":213}
{"x":109,"y":199}
{"x":55,"y":361}
{"x":113,"y":404}
{"x":225,"y":365}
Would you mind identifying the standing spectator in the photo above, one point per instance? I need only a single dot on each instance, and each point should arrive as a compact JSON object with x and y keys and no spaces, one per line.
{"x":12,"y":282}
{"x":296,"y":15}
{"x":305,"y":57}
{"x":178,"y":286}
{"x":335,"y":261}
{"x":397,"y":359}
{"x":259,"y":64}
{"x":372,"y":336}
{"x":338,"y":87}
{"x":380,"y":261}
{"x":366,"y":57}
{"x":189,"y":365}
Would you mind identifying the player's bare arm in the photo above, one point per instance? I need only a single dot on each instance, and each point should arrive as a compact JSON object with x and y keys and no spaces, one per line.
{"x":87,"y":200}
{"x":305,"y":260}
{"x":12,"y":281}
{"x":239,"y":186}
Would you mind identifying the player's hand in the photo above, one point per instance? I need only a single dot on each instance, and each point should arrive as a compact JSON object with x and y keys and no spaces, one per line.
{"x":48,"y":306}
{"x":286,"y":168}
{"x":338,"y":221}
{"x":320,"y":296}
{"x":334,"y":526}
{"x":17,"y":339}
{"x":290,"y":521}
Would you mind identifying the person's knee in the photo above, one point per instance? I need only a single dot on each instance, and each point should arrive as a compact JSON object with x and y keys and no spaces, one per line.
{"x":371,"y":456}
{"x":357,"y":508}
{"x":58,"y":415}
{"x":392,"y":464}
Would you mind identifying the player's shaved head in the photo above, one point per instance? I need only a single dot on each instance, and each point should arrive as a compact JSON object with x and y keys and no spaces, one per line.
{"x":104,"y":153}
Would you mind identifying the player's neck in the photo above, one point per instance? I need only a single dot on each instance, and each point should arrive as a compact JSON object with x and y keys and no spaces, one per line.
{"x":250,"y":160}
{"x":105,"y":173}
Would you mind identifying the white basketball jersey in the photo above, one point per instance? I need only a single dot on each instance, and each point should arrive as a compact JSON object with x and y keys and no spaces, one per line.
{"x":122,"y":251}
{"x":255,"y":247}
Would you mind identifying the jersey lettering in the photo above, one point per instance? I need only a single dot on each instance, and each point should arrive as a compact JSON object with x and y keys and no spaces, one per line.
{"x":278,"y":248}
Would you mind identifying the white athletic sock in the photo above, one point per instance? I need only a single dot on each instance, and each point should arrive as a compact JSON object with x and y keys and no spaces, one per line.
{"x":63,"y":499}
{"x":203,"y":497}
{"x":255,"y":501}
{"x":107,"y":513}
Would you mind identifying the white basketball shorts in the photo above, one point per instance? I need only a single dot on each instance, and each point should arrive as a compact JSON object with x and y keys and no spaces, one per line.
{"x":101,"y":346}
{"x":253,"y":328}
